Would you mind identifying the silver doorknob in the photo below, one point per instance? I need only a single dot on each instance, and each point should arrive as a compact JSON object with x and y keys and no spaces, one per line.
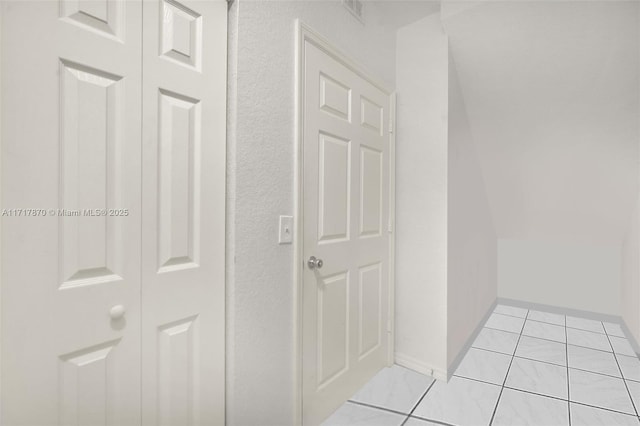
{"x":314,"y":263}
{"x":117,"y":312}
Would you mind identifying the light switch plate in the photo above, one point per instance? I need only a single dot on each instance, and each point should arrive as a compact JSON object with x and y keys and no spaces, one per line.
{"x":286,"y":230}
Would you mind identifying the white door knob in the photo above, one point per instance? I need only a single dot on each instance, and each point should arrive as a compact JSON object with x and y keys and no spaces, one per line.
{"x":117,"y":312}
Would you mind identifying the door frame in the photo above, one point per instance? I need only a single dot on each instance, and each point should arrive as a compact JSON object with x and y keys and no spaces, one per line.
{"x":304,"y":34}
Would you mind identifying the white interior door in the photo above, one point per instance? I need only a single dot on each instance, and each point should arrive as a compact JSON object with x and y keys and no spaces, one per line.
{"x":71,"y":90}
{"x":184,"y":122}
{"x":346,"y":213}
{"x":97,"y":115}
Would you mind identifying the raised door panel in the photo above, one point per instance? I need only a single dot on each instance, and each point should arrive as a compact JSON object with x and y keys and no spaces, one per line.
{"x":178,"y":372}
{"x":104,"y":17}
{"x":334,"y":195}
{"x":370,"y":309}
{"x":333,"y":328}
{"x":92,"y":115}
{"x":371,"y":191}
{"x":184,"y":139}
{"x":179,"y":181}
{"x":335,"y":97}
{"x":371,"y":115}
{"x":87,"y":386}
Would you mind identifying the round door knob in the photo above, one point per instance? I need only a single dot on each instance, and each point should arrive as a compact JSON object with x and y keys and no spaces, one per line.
{"x":117,"y":312}
{"x":314,"y":263}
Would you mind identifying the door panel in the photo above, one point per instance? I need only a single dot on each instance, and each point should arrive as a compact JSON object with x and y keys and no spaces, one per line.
{"x":184,"y":118}
{"x":71,"y":78}
{"x":346,"y":203}
{"x":335,"y":188}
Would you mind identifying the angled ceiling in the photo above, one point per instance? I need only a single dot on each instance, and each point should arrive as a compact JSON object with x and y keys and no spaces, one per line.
{"x":398,"y":13}
{"x":551,"y":91}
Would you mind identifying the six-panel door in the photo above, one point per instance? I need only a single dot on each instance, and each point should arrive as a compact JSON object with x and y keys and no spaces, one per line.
{"x":346,"y":205}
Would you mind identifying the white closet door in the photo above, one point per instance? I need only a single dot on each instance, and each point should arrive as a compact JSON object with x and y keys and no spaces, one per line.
{"x":71,"y":98}
{"x":184,"y":98}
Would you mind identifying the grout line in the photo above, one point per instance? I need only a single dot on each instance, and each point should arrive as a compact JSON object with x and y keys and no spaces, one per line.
{"x":419,"y":401}
{"x":602,"y":408}
{"x":566,"y":359}
{"x":526,"y":335}
{"x":364,"y":404}
{"x":499,"y":329}
{"x":508,"y":315}
{"x":491,"y":350}
{"x":495,"y":409}
{"x":477,"y":380}
{"x":433,"y":421}
{"x":554,"y":364}
{"x":547,"y":396}
{"x":572,"y":328}
{"x":624,"y":355}
{"x":595,"y":372}
{"x":546,"y":322}
{"x":622,"y":374}
{"x":590,"y":331}
{"x":555,"y":341}
{"x":557,"y":398}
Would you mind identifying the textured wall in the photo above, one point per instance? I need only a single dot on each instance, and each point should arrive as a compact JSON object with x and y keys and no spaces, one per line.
{"x":261,"y":144}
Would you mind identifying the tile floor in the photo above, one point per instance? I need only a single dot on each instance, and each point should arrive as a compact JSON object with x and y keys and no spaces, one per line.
{"x":525,"y":368}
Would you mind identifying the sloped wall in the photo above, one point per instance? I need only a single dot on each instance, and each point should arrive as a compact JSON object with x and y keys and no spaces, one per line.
{"x":472,"y":243}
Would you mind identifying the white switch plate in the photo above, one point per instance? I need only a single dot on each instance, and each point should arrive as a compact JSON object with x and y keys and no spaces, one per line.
{"x":286,"y":230}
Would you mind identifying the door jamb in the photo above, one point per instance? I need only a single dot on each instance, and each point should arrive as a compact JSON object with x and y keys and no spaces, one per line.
{"x":305,"y":34}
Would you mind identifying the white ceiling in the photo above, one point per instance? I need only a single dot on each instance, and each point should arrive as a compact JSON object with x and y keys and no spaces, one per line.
{"x":398,"y":13}
{"x":551,"y":90}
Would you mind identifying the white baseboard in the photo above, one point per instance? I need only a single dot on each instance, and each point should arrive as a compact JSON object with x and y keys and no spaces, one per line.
{"x":472,"y":338}
{"x":421,"y":367}
{"x":577,"y":313}
{"x":630,"y":337}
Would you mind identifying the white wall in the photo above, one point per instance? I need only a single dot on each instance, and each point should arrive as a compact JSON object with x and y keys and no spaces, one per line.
{"x":552,"y":98}
{"x":472,"y":243}
{"x":631,"y":253}
{"x":421,"y":197}
{"x":564,"y":274}
{"x":631,"y":275}
{"x":260,"y":287}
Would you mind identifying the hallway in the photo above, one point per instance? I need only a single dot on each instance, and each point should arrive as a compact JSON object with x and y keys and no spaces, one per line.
{"x":514,"y":373}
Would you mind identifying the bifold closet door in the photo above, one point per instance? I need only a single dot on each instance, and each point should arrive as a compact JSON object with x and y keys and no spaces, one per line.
{"x":113,"y":190}
{"x":184,"y":103}
{"x":71,"y":152}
